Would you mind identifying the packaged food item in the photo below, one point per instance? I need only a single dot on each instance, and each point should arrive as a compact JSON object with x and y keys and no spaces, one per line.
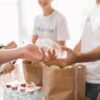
{"x":39,"y":95}
{"x":22,"y":94}
{"x":7,"y":92}
{"x":30,"y":95}
{"x":49,"y":44}
{"x":14,"y":93}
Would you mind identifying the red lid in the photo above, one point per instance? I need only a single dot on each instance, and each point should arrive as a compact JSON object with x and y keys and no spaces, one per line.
{"x":8,"y":86}
{"x":29,"y":86}
{"x":22,"y":90}
{"x":14,"y":88}
{"x":23,"y":85}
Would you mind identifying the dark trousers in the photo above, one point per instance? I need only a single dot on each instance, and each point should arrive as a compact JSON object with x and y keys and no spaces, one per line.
{"x":92,"y":90}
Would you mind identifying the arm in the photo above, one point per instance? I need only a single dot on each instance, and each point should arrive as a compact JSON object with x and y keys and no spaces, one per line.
{"x":93,"y":55}
{"x":34,"y":38}
{"x":29,"y":52}
{"x":77,"y":57}
{"x":77,"y":48}
{"x":9,"y":67}
{"x":8,"y":55}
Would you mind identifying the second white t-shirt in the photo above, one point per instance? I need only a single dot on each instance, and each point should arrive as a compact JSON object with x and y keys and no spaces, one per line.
{"x":91,"y":40}
{"x":53,"y":27}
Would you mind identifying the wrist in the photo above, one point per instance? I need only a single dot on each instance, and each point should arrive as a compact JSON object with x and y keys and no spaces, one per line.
{"x":78,"y":56}
{"x":20,"y":51}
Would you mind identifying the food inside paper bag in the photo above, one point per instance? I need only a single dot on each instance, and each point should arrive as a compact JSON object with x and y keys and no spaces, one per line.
{"x":55,"y":66}
{"x":58,"y":67}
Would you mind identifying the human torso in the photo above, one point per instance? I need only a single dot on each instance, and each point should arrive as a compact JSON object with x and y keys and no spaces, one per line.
{"x":91,"y":40}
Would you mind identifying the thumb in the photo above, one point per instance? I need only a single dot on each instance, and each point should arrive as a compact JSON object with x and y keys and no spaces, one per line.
{"x":65,"y":49}
{"x":42,"y":53}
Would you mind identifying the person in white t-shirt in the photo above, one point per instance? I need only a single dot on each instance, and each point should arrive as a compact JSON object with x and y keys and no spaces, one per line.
{"x":87,"y":50}
{"x":89,"y":41}
{"x":51,"y":24}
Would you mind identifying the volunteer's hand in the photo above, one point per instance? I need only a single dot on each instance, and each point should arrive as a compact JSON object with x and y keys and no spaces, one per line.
{"x":70,"y":59}
{"x":50,"y":57}
{"x":98,"y":97}
{"x":8,"y":68}
{"x":32,"y":52}
{"x":11,"y":45}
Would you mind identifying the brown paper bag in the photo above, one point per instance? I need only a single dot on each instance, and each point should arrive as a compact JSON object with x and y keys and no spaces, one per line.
{"x":63,"y":84}
{"x":81,"y":81}
{"x":58,"y":84}
{"x":33,"y":72}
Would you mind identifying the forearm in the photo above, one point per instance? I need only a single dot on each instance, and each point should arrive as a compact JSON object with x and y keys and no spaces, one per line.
{"x":10,"y":54}
{"x":34,"y":38}
{"x":89,"y":56}
{"x":77,"y":48}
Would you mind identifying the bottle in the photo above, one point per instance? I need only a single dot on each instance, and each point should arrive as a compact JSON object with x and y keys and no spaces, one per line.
{"x":7,"y":92}
{"x":22,"y":94}
{"x":39,"y":94}
{"x":14,"y":93}
{"x":47,"y":44}
{"x":30,"y":95}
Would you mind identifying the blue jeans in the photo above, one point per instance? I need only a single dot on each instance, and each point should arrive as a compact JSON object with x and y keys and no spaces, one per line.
{"x":92,"y":90}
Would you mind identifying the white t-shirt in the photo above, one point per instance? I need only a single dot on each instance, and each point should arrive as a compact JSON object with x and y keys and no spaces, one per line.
{"x":53,"y":27}
{"x":91,"y":40}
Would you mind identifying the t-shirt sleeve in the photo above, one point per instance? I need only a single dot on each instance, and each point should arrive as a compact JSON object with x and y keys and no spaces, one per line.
{"x":62,"y":29}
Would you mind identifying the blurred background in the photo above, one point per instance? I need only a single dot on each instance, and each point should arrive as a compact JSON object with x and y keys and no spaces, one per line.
{"x":17,"y":18}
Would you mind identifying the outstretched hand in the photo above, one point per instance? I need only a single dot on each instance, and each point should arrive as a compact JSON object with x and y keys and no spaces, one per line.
{"x":8,"y":68}
{"x":52,"y":58}
{"x":70,"y":59}
{"x":33,"y":53}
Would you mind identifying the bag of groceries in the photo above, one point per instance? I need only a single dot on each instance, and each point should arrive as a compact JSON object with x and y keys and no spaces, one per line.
{"x":32,"y":72}
{"x":64,"y":83}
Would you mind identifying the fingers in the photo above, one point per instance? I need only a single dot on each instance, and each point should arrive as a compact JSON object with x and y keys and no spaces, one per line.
{"x":53,"y":52}
{"x":11,"y":45}
{"x":9,"y":68}
{"x":36,"y":55}
{"x":65,"y":48}
{"x":51,"y":55}
{"x":61,"y":62}
{"x":42,"y":54}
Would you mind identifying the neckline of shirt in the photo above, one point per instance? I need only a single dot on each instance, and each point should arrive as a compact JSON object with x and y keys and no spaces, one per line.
{"x":50,"y":15}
